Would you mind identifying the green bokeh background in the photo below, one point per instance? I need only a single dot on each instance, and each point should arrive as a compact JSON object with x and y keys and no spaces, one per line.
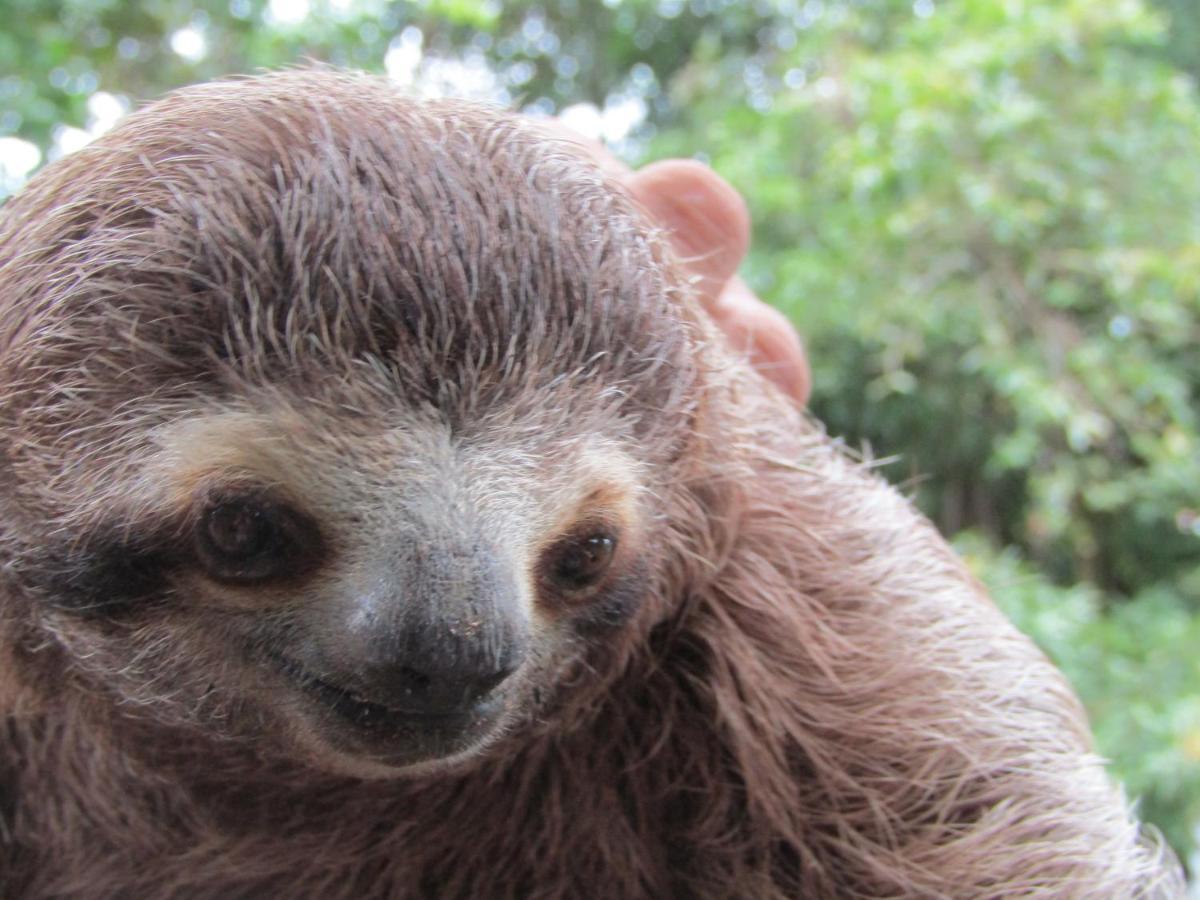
{"x":983,"y":215}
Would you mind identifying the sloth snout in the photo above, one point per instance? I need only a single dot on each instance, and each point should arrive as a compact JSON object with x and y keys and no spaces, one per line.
{"x":436,"y":631}
{"x":436,"y":674}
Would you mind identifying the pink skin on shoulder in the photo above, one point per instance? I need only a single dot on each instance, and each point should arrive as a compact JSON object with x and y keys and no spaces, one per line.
{"x":709,"y":228}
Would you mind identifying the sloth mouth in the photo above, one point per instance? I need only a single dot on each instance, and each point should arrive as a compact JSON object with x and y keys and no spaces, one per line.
{"x":375,"y":718}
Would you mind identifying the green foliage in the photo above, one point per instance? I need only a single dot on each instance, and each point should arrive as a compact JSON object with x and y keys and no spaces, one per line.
{"x":1184,"y":40}
{"x":55,"y":53}
{"x":984,"y":215}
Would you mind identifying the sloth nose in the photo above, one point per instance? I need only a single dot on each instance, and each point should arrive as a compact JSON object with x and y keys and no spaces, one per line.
{"x":438,"y":630}
{"x":439,"y":679}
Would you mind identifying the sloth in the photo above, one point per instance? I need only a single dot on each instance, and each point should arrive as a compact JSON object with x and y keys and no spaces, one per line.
{"x":380,"y":518}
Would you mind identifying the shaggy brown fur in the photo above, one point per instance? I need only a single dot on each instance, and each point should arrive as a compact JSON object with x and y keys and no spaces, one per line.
{"x":790,"y":687}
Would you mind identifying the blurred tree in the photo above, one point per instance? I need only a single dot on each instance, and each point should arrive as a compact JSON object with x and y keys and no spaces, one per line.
{"x":1183,"y":45}
{"x":57,"y":54}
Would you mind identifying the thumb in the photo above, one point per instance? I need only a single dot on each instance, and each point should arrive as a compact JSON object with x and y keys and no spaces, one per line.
{"x":706,"y":219}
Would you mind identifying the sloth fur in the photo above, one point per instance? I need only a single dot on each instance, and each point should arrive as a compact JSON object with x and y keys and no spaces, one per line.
{"x":790,"y":688}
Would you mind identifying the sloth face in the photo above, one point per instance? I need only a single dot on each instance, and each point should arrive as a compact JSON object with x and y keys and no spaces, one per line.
{"x":334,"y":421}
{"x":376,"y":599}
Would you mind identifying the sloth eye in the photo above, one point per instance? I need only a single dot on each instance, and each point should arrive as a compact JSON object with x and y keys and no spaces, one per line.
{"x":582,"y":561}
{"x":249,"y":539}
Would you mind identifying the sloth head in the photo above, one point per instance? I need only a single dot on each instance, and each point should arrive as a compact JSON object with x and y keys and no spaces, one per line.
{"x":336,"y":421}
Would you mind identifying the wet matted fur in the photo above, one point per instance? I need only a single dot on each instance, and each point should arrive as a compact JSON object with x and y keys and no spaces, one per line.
{"x":395,"y":312}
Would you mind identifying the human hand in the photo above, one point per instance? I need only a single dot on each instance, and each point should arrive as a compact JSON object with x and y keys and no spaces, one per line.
{"x":709,"y":230}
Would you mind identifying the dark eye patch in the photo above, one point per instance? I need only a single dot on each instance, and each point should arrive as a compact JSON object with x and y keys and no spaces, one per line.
{"x":104,"y":576}
{"x":118,"y":569}
{"x":617,"y":601}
